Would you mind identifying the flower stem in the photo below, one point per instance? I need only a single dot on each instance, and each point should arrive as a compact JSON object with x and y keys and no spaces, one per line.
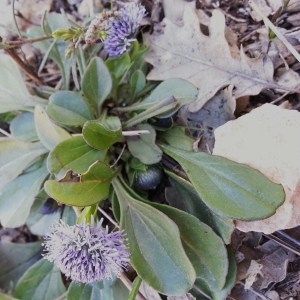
{"x":129,"y":286}
{"x":135,"y":288}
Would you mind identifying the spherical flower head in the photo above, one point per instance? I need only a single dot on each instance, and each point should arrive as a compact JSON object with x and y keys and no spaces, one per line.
{"x":123,"y":30}
{"x":86,"y":253}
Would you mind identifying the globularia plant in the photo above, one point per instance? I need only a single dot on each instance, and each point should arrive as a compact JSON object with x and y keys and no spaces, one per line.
{"x":107,"y":145}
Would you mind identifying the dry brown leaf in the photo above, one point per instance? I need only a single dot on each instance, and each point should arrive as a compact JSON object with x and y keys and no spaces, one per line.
{"x":252,"y":273}
{"x":293,"y":6}
{"x":206,"y":61}
{"x":266,"y":7}
{"x":216,"y":112}
{"x":274,"y":268}
{"x":32,"y":11}
{"x":267,"y":140}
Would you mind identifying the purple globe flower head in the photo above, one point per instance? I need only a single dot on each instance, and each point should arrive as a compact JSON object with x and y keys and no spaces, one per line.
{"x":123,"y":29}
{"x":86,"y":253}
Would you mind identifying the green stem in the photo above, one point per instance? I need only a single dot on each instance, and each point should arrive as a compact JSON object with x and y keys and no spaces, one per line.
{"x":146,"y":106}
{"x":135,"y":288}
{"x":149,"y":113}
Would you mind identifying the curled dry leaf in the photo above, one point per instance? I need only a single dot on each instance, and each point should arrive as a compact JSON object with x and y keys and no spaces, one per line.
{"x":252,"y":273}
{"x":206,"y":61}
{"x":216,"y":112}
{"x":266,"y":139}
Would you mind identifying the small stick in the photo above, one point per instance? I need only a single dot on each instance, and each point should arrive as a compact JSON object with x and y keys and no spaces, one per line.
{"x":107,"y":216}
{"x":279,"y":98}
{"x":134,"y":132}
{"x":119,"y":157}
{"x":23,"y":66}
{"x":5,"y":133}
{"x":14,"y":44}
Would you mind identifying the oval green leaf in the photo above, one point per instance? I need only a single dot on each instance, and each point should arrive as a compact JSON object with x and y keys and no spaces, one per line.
{"x":22,"y":127}
{"x":182,"y":195}
{"x":68,"y":108}
{"x":154,"y":241}
{"x":103,"y":134}
{"x":18,"y":196}
{"x":96,"y":83}
{"x":204,"y":248}
{"x":201,"y":287}
{"x":44,"y":212}
{"x":177,"y":138}
{"x":119,"y":66}
{"x":228,"y":188}
{"x":93,"y":187}
{"x":40,"y":282}
{"x":143,"y":146}
{"x":15,"y":157}
{"x":15,"y":259}
{"x":13,"y":92}
{"x":73,"y":154}
{"x":107,"y":289}
{"x":49,"y":134}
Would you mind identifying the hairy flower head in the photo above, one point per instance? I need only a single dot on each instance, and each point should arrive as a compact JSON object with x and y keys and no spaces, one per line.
{"x":86,"y":253}
{"x":123,"y":29}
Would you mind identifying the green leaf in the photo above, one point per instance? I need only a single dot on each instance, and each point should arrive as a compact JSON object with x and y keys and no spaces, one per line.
{"x":15,"y":157}
{"x":49,"y":134}
{"x":68,"y":215}
{"x":103,"y":134}
{"x":143,"y":146}
{"x":228,"y":188}
{"x":22,"y":127}
{"x":44,"y":212}
{"x":13,"y":92}
{"x":183,"y":91}
{"x":156,"y":250}
{"x":214,"y":292}
{"x":118,"y":66}
{"x":137,"y":82}
{"x":73,"y":154}
{"x":204,"y":248}
{"x":182,"y":195}
{"x":55,"y":49}
{"x":18,"y":196}
{"x":177,"y":138}
{"x":68,"y":108}
{"x":93,"y":187}
{"x":15,"y":259}
{"x":106,"y":290}
{"x":6,"y":297}
{"x":42,"y":281}
{"x":96,"y":83}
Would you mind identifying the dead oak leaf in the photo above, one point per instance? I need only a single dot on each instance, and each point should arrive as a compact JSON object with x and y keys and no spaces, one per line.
{"x":206,"y":61}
